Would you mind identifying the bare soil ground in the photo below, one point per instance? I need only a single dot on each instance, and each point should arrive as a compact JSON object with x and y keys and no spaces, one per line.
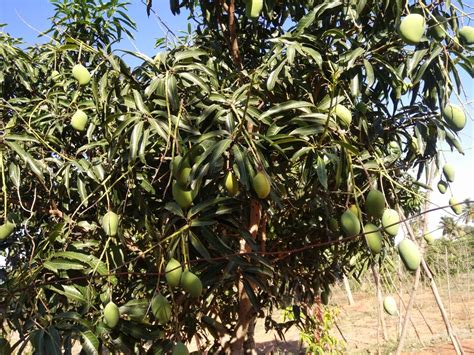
{"x":359,"y":327}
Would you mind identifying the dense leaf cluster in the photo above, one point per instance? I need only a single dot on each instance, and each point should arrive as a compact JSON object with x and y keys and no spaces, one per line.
{"x":258,"y":95}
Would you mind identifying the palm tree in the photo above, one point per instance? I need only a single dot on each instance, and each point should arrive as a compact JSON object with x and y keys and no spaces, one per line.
{"x":450,"y":228}
{"x":468,"y":211}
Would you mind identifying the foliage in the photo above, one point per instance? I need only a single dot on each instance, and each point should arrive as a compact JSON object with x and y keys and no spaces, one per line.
{"x":317,"y":326}
{"x":255,"y":96}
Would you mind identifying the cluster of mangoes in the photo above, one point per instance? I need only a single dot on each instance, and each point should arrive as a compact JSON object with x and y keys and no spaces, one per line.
{"x":350,"y":224}
{"x":79,"y":119}
{"x":413,"y":27}
{"x":449,"y":174}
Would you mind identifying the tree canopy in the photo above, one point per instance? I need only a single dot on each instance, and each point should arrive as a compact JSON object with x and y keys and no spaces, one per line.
{"x":233,"y":152}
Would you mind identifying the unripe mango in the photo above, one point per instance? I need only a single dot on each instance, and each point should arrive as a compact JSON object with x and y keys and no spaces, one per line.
{"x":449,"y":172}
{"x":454,"y":116}
{"x":325,"y":297}
{"x":429,"y":239}
{"x":437,"y":28}
{"x":343,"y":114}
{"x":173,"y":271}
{"x":390,"y":305}
{"x":410,"y":254}
{"x":442,"y":186}
{"x":5,"y":348}
{"x":333,"y":225}
{"x":231,"y":184}
{"x":110,"y":223}
{"x":390,"y":222}
{"x":6,"y":229}
{"x":466,"y":35}
{"x":412,"y":28}
{"x":261,"y":185}
{"x":161,"y":309}
{"x":253,"y":8}
{"x":184,"y":198}
{"x":191,"y":284}
{"x":55,"y":75}
{"x":111,"y":315}
{"x":79,"y":120}
{"x":81,"y":74}
{"x":350,"y":224}
{"x":457,"y":208}
{"x":180,"y":349}
{"x":375,"y":203}
{"x":181,"y":170}
{"x":356,"y":211}
{"x":373,"y":237}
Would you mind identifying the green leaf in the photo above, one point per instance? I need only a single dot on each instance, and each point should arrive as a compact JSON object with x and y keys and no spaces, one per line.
{"x":137,"y":133}
{"x":273,"y":77}
{"x":34,"y":165}
{"x":14,"y":173}
{"x":322,"y":172}
{"x":285,"y":106}
{"x":61,"y":264}
{"x":90,"y":343}
{"x":70,"y":292}
{"x":139,"y":102}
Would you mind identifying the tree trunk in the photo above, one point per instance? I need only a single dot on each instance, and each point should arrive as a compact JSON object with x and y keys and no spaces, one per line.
{"x":246,"y":313}
{"x":347,"y":287}
{"x":379,"y":304}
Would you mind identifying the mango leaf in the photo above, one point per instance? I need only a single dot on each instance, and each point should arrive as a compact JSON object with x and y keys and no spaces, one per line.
{"x":90,"y":343}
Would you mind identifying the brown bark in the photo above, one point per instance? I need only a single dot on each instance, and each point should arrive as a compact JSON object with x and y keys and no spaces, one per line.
{"x":234,"y":43}
{"x":246,"y":314}
{"x":379,"y":303}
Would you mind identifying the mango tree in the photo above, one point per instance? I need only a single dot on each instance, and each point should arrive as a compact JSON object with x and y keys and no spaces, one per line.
{"x":184,"y":197}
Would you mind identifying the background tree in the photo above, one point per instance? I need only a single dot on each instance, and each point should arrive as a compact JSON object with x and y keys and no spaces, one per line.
{"x":230,"y":155}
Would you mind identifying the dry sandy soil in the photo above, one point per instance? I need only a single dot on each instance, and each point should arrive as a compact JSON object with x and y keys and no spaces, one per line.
{"x":358,"y":323}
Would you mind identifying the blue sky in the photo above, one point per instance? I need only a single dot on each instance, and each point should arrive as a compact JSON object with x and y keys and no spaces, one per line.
{"x":24,"y":16}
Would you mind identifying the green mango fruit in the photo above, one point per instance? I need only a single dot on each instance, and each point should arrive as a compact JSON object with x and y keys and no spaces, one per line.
{"x":6,"y":229}
{"x":343,"y":114}
{"x":454,"y":116}
{"x":409,"y":254}
{"x":325,"y":298}
{"x":375,"y":203}
{"x":79,"y":120}
{"x":449,"y":172}
{"x":253,"y":8}
{"x":373,"y":237}
{"x":231,"y":184}
{"x":412,"y":28}
{"x":161,"y":309}
{"x":184,"y":198}
{"x":390,"y":305}
{"x":466,"y":35}
{"x":181,"y":170}
{"x":111,"y":314}
{"x":110,"y":223}
{"x":429,"y":239}
{"x":81,"y":74}
{"x":457,"y":208}
{"x":55,"y":75}
{"x":333,"y":225}
{"x":5,"y":348}
{"x":442,"y":187}
{"x":191,"y":284}
{"x":173,"y":271}
{"x":180,"y":349}
{"x":261,"y":185}
{"x":389,"y":218}
{"x":437,"y":28}
{"x":350,"y":224}
{"x":356,"y":211}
